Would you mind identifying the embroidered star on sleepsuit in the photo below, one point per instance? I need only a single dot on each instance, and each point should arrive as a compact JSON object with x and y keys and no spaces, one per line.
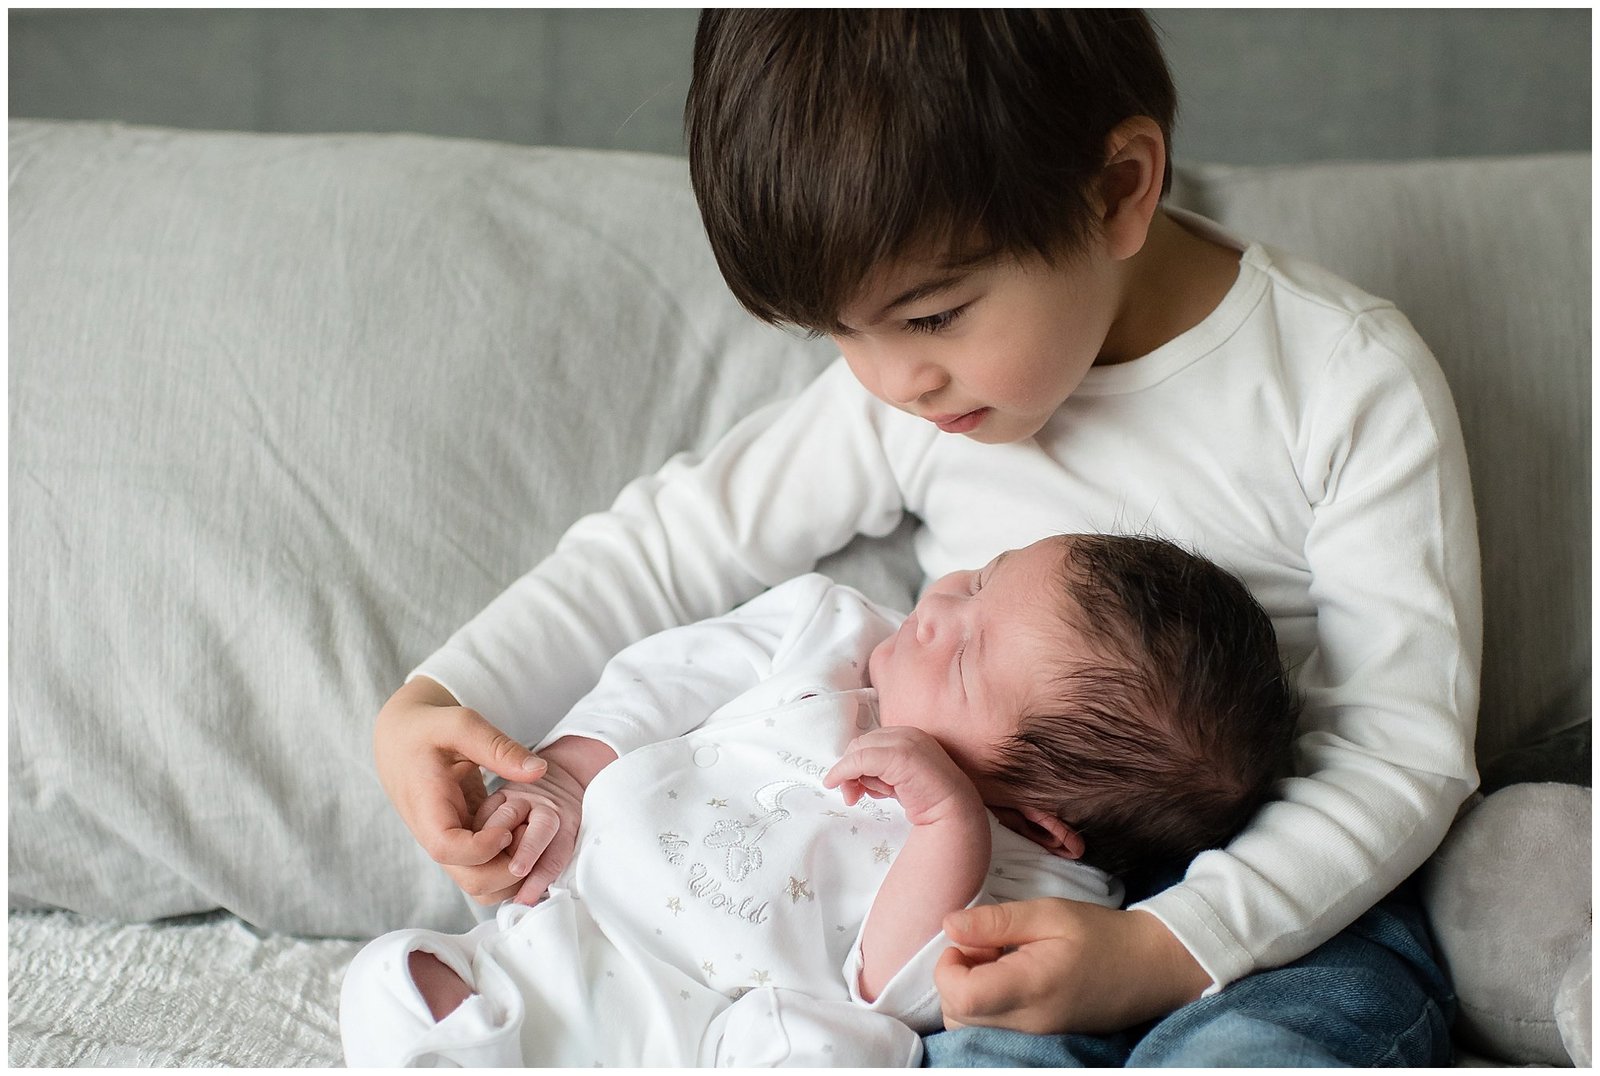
{"x":881,"y":852}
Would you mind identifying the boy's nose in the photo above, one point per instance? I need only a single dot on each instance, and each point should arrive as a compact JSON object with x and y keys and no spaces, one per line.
{"x":905,"y":380}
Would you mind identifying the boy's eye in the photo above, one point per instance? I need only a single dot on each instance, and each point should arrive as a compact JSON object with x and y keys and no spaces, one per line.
{"x":935,"y":323}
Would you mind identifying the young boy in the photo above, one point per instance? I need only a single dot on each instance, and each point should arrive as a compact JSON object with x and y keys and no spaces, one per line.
{"x":1120,"y":699}
{"x":969,"y":203}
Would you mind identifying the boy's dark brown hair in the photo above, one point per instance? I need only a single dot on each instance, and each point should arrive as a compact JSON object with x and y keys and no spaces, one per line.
{"x":824,"y":144}
{"x":1171,"y":743}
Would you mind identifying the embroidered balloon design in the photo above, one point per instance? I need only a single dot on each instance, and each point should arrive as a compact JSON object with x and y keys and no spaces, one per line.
{"x":740,"y":838}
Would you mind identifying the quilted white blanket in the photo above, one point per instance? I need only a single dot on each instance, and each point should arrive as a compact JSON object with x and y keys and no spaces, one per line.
{"x":197,"y":992}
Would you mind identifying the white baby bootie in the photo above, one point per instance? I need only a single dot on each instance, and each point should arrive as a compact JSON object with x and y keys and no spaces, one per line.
{"x":384,"y":1021}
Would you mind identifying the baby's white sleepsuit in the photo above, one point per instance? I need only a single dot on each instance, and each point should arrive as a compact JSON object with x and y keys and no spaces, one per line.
{"x":713,"y":910}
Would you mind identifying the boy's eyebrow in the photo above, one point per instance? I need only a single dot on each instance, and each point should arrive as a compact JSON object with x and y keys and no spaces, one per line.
{"x":923,"y":290}
{"x":954,"y":270}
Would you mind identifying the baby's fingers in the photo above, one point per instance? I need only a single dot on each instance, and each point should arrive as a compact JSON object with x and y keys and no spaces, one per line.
{"x":542,"y":827}
{"x":500,"y":811}
{"x":552,"y":861}
{"x":863,"y":758}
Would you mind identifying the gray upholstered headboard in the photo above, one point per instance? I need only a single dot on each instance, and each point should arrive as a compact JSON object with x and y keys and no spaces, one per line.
{"x":1256,"y":86}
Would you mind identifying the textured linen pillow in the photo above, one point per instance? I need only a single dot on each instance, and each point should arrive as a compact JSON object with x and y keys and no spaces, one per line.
{"x":285,"y":412}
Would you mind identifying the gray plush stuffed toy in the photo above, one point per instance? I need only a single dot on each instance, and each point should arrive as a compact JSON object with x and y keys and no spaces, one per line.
{"x":1508,"y":895}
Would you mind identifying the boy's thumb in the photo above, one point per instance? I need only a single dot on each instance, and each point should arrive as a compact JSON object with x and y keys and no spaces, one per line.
{"x":992,"y":926}
{"x":499,"y":753}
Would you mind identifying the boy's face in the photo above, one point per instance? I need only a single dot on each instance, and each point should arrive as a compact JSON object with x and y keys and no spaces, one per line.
{"x":977,"y":653}
{"x":989,"y":351}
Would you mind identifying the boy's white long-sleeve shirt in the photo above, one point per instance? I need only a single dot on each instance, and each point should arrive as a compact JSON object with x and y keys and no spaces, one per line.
{"x":1302,"y":436}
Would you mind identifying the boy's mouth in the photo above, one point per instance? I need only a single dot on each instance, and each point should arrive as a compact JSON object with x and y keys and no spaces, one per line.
{"x":964,"y":423}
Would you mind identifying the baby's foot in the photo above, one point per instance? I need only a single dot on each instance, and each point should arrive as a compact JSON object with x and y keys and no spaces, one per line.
{"x":439,"y":986}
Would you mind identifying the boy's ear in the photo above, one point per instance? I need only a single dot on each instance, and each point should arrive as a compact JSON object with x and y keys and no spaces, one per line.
{"x":1046,"y":829}
{"x":1130,"y":183}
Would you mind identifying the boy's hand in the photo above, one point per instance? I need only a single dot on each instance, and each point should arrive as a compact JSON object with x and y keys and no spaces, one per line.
{"x":543,"y":816}
{"x":909,"y":765}
{"x":1055,"y":966}
{"x":428,"y":750}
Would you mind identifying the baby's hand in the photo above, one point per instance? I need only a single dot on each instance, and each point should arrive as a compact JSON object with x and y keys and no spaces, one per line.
{"x":543,"y":815}
{"x":909,"y":765}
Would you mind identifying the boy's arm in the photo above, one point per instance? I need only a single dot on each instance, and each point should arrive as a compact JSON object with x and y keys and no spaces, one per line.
{"x":1384,"y":755}
{"x":786,"y":486}
{"x":945,"y":858}
{"x":1385,"y":750}
{"x":790,"y":484}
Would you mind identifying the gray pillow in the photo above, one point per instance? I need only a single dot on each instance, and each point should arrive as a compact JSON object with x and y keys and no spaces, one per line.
{"x":285,"y":412}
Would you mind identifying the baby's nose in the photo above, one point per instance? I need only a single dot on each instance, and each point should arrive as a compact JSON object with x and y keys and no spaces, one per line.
{"x":935,"y":617}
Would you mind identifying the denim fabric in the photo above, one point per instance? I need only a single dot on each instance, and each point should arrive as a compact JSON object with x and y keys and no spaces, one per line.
{"x":1373,"y":995}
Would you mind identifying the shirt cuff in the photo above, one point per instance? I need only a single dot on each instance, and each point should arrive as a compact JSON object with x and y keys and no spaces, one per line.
{"x":1200,"y":930}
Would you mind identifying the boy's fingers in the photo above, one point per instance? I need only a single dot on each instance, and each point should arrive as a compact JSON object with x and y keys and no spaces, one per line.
{"x":1001,"y":926}
{"x":492,"y":749}
{"x":486,"y":885}
{"x":975,"y":990}
{"x":457,"y":847}
{"x":436,"y":822}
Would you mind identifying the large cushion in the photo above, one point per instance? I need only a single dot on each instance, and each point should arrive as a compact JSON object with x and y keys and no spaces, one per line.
{"x":287,"y":410}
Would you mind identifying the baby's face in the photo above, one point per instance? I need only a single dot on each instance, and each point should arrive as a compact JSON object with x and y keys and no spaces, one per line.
{"x":978,"y":652}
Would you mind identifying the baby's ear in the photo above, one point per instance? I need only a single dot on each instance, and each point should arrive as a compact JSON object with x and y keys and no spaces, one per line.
{"x":1045,"y":829}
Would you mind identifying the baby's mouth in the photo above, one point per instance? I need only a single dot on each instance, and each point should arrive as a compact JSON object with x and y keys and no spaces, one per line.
{"x":962,"y":423}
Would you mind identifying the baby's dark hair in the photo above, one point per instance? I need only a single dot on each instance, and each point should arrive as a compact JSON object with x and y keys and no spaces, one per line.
{"x":1173,"y":741}
{"x":824,"y":144}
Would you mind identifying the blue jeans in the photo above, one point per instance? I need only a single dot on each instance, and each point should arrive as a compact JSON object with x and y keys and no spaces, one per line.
{"x":1373,"y":995}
